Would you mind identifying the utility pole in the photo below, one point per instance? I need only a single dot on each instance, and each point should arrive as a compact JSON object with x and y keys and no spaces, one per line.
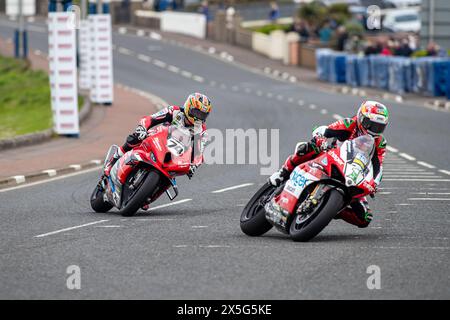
{"x":20,"y":34}
{"x":84,"y":9}
{"x":431,"y":21}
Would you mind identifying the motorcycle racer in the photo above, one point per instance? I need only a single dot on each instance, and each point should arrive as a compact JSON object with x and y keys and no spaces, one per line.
{"x":192,"y":115}
{"x":371,"y":118}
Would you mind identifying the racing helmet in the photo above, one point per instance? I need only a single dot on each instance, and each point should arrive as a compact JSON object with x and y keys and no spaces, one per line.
{"x":372,"y":118}
{"x":197,"y":108}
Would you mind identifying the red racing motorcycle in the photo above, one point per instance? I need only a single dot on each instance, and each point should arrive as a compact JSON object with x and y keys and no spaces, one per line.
{"x":315,"y":192}
{"x":143,"y":174}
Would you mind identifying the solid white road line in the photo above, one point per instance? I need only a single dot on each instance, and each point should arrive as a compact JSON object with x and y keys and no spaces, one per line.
{"x":407,"y":156}
{"x":431,"y":199}
{"x":50,"y":180}
{"x":169,"y":204}
{"x":233,"y":187}
{"x":424,"y":164}
{"x":70,"y":228}
{"x":445,"y":171}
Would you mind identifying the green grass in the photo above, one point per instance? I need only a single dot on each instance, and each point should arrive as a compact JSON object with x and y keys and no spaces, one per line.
{"x":24,"y":99}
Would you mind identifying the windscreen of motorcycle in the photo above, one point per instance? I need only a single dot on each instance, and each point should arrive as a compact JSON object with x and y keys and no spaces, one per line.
{"x":358,"y":153}
{"x":179,"y":140}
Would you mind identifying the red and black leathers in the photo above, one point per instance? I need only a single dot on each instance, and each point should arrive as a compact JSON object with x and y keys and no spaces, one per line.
{"x":171,"y":114}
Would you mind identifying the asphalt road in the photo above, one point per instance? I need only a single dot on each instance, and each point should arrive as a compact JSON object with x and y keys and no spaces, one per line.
{"x":194,"y":249}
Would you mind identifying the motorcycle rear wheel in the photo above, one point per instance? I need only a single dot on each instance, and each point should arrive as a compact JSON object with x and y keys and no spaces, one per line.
{"x":327,"y":210}
{"x":146,"y":189}
{"x":97,"y":202}
{"x":253,"y":217}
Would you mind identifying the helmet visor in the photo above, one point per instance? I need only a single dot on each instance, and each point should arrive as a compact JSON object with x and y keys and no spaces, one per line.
{"x":372,"y":126}
{"x":198,"y":114}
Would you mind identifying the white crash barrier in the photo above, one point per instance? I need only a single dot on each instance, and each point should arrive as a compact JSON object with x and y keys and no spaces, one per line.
{"x":101,"y":58}
{"x":63,"y":72}
{"x":272,"y":46}
{"x":84,"y":45}
{"x":192,"y":24}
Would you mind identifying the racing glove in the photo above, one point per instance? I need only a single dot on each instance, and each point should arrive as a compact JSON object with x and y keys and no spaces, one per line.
{"x":192,"y":170}
{"x":320,"y":143}
{"x":140,"y":132}
{"x":278,"y":177}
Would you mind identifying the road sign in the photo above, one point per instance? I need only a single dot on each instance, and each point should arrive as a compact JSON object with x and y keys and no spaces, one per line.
{"x":63,"y":72}
{"x":101,"y":58}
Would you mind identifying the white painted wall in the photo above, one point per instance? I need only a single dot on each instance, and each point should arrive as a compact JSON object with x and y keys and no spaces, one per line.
{"x":192,"y":24}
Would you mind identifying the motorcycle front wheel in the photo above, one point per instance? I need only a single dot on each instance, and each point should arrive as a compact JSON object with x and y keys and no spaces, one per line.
{"x":253,"y":217}
{"x":305,"y":227}
{"x":97,"y":202}
{"x":138,"y":198}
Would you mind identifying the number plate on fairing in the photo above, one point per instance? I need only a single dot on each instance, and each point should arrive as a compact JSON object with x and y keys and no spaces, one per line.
{"x":297,"y":182}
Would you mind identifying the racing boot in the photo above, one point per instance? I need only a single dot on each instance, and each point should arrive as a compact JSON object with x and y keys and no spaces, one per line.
{"x":358,"y":214}
{"x":112,"y":161}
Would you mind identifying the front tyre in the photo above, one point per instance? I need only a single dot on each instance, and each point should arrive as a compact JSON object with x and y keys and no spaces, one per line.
{"x":302,"y":229}
{"x":253,"y":217}
{"x":97,"y":202}
{"x":146,"y":189}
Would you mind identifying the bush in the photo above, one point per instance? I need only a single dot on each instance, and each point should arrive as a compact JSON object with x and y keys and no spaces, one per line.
{"x":267,"y":29}
{"x":313,"y":13}
{"x":354,"y":28}
{"x":339,"y":12}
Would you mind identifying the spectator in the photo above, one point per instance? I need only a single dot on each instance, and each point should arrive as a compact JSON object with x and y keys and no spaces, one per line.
{"x":372,"y":48}
{"x":301,"y":28}
{"x":342,"y":37}
{"x":386,"y":50}
{"x":274,"y":12}
{"x":403,"y":49}
{"x":432,"y":49}
{"x":204,"y":9}
{"x":325,"y":33}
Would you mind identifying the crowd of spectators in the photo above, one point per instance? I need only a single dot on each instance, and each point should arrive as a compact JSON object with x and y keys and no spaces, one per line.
{"x":336,"y":36}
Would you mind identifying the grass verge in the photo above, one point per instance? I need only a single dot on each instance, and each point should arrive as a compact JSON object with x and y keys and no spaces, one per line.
{"x":24,"y":99}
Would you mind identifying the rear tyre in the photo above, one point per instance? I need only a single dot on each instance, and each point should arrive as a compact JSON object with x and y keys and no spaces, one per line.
{"x":97,"y":202}
{"x":253,"y":217}
{"x":326,"y":211}
{"x":147,"y":188}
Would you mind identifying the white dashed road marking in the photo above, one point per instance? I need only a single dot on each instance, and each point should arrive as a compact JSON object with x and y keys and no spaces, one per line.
{"x":70,"y":228}
{"x":168,"y":204}
{"x":407,"y":156}
{"x":233,"y":187}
